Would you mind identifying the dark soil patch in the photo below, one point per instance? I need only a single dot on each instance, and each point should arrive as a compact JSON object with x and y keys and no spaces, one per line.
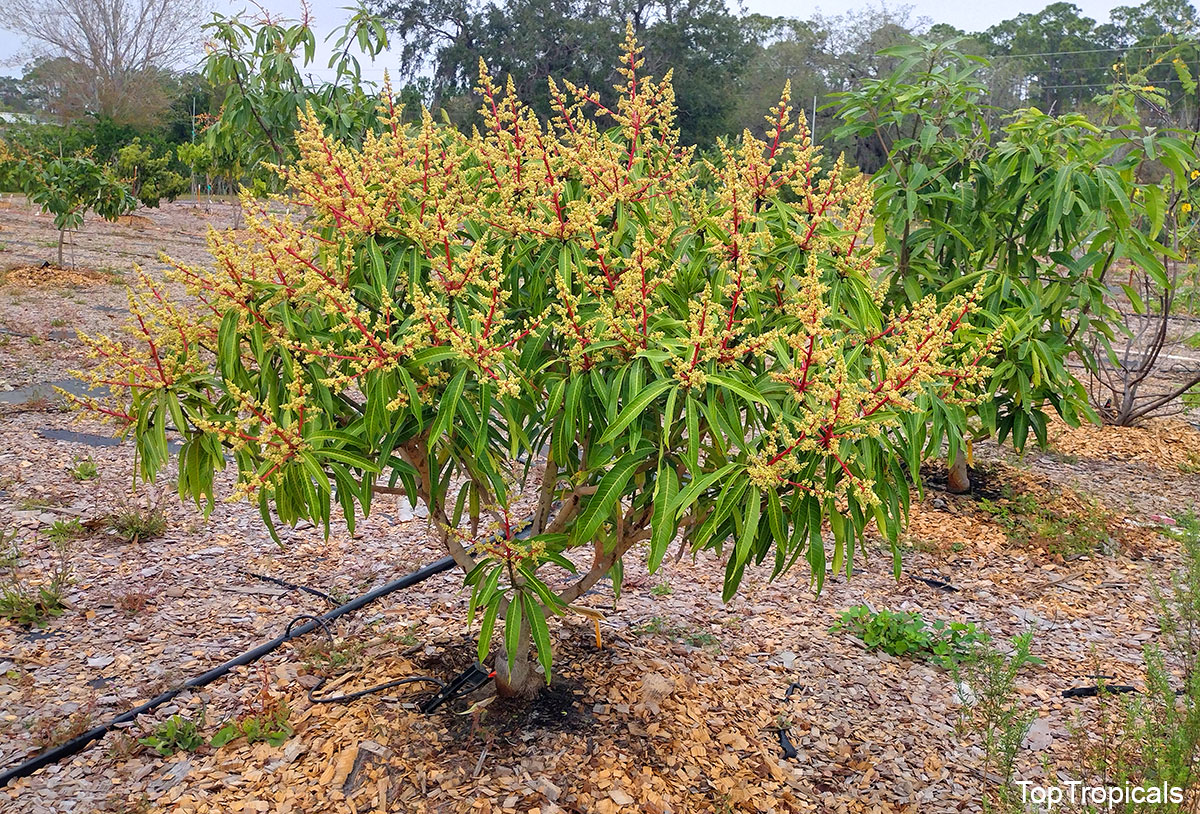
{"x":987,"y":482}
{"x":557,"y":708}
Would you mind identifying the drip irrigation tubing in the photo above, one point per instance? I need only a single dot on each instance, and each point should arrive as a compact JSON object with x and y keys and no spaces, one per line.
{"x":77,"y":744}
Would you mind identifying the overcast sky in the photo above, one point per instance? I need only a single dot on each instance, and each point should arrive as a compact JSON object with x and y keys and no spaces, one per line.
{"x":969,"y":16}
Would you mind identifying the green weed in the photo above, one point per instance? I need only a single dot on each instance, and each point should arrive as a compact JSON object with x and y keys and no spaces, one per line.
{"x":904,"y":633}
{"x":84,"y":469}
{"x":1029,"y":520}
{"x":175,"y":734}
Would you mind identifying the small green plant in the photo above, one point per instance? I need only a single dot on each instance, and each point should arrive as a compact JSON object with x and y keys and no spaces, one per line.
{"x":84,"y":469}
{"x":134,"y":523}
{"x":658,"y":626}
{"x":267,"y":722}
{"x":323,"y":655}
{"x":27,"y":604}
{"x":1031,"y":520}
{"x":31,"y":607}
{"x":652,"y":626}
{"x":662,"y":589}
{"x":57,"y":323}
{"x":905,"y":633}
{"x":992,"y":708}
{"x":269,"y":726}
{"x":175,"y":734}
{"x":1191,"y":464}
{"x":62,"y":531}
{"x":702,"y":638}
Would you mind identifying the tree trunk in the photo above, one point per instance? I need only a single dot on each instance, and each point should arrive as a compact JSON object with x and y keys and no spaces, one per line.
{"x":958,"y":480}
{"x":62,"y":233}
{"x":522,"y":681}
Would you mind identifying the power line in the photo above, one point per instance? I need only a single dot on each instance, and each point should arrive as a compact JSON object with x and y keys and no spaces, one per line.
{"x":1115,"y":49}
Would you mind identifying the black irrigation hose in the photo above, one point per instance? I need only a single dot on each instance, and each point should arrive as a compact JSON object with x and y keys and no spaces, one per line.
{"x":936,"y":584}
{"x":785,"y":740}
{"x":77,"y":744}
{"x":1093,"y":691}
{"x":345,"y":699}
{"x":283,"y":583}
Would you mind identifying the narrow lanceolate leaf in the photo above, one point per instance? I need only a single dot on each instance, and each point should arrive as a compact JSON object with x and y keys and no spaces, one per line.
{"x":449,"y":405}
{"x":489,"y":624}
{"x":635,"y":408}
{"x":816,"y":543}
{"x":662,"y":522}
{"x":693,"y":435}
{"x":608,"y":493}
{"x":733,"y":384}
{"x":512,"y":629}
{"x":775,"y":518}
{"x":539,"y":630}
{"x":745,"y":543}
{"x":688,"y":496}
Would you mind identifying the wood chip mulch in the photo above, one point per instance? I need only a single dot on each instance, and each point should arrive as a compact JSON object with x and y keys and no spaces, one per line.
{"x":1167,"y":442}
{"x":36,"y":277}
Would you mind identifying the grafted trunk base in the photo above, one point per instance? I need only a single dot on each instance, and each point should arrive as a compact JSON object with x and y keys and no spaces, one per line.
{"x":523,"y":680}
{"x":958,"y":479}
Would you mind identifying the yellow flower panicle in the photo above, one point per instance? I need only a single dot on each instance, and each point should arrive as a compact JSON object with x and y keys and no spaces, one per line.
{"x":418,"y":246}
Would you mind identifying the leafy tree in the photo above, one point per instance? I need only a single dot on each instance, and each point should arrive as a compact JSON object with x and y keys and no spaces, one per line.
{"x":1061,"y":52}
{"x":1150,"y":22}
{"x":790,"y":51}
{"x":198,"y":159}
{"x":564,"y":312}
{"x":1156,"y":170}
{"x":109,"y":58}
{"x":950,"y":205}
{"x":259,"y":68}
{"x":149,"y":176}
{"x":68,"y":188}
{"x":1052,"y":206}
{"x":705,"y":45}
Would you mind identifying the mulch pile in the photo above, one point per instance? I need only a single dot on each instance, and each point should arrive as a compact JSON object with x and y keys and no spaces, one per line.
{"x":38,"y":277}
{"x":1165,"y":442}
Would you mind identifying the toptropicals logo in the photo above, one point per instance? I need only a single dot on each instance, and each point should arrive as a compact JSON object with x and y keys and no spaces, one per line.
{"x":1075,"y":792}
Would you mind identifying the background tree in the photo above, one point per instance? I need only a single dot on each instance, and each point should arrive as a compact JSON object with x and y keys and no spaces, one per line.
{"x":67,"y":188}
{"x":259,"y":69}
{"x":706,"y":46}
{"x":109,"y":56}
{"x":1060,"y":50}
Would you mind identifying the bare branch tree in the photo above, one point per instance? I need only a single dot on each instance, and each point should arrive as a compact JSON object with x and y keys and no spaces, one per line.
{"x":110,"y":55}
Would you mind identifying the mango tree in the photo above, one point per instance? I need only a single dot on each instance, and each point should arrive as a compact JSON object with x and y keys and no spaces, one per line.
{"x":261,"y":67}
{"x":1043,"y":207}
{"x":68,"y":187}
{"x":560,"y":316}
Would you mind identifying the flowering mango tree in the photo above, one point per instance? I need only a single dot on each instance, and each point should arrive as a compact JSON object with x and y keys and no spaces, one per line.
{"x":562,"y":341}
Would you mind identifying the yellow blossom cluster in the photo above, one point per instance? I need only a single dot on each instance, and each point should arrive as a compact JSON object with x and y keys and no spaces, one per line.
{"x":428,"y":265}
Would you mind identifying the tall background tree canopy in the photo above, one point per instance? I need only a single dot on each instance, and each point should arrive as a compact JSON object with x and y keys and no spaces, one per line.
{"x":727,"y":65}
